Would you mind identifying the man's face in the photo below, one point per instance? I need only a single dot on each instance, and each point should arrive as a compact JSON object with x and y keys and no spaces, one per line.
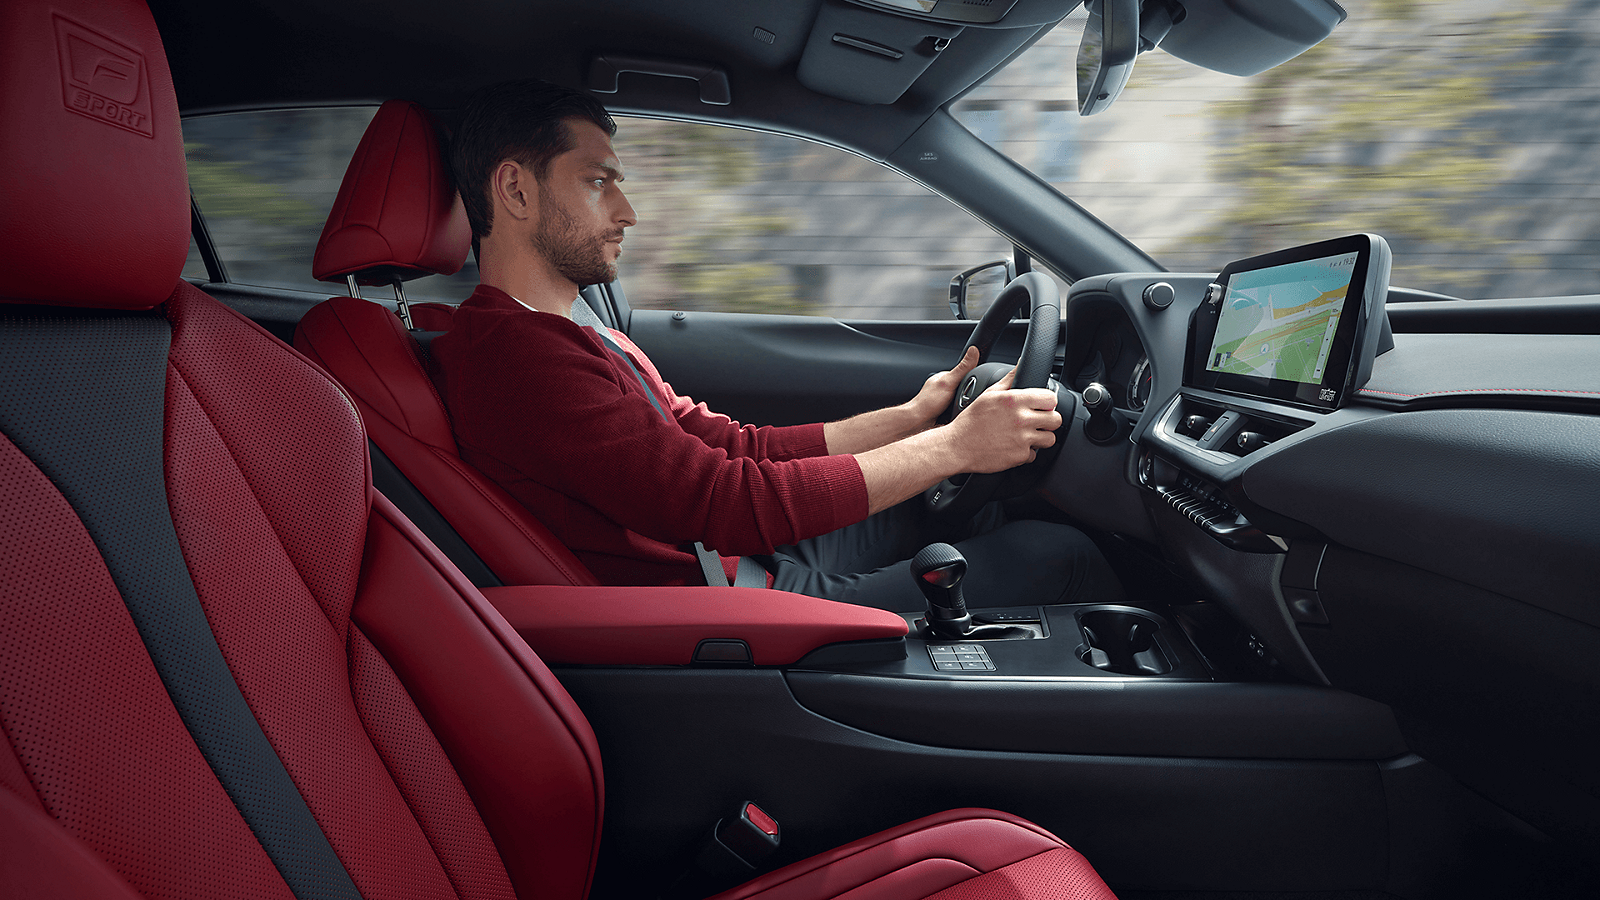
{"x":582,"y":211}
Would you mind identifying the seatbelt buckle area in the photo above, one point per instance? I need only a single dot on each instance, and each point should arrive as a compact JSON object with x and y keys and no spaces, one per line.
{"x":730,"y":854}
{"x":751,"y":836}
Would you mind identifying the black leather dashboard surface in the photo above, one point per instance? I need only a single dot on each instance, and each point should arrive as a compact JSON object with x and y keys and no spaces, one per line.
{"x":1508,"y":500}
{"x":1433,"y":370}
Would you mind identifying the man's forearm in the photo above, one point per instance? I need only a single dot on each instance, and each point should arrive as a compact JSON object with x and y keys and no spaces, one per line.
{"x":882,"y":427}
{"x":1002,"y":428}
{"x":872,"y":430}
{"x":901,"y":470}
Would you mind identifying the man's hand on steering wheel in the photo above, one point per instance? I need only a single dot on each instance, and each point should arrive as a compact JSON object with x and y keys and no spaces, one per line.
{"x":1011,"y":431}
{"x":1004,"y":427}
{"x":939,"y":391}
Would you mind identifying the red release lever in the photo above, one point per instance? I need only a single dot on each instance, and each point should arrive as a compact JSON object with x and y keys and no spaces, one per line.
{"x":760,"y":819}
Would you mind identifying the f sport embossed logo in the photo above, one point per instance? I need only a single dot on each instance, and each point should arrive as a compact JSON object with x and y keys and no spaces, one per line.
{"x":103,"y":79}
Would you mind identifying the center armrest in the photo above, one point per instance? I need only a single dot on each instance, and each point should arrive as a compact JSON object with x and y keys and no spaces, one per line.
{"x":663,"y":625}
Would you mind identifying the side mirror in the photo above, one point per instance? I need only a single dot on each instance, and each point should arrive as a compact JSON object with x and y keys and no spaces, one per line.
{"x":1106,"y":54}
{"x":974,"y":291}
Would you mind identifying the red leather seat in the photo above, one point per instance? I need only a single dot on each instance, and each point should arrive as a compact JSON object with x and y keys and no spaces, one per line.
{"x":397,"y":215}
{"x":227,"y":667}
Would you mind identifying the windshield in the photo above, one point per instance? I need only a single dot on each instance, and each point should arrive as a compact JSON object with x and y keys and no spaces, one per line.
{"x":1464,"y":132}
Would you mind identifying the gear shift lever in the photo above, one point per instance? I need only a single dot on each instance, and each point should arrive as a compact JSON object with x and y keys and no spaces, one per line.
{"x":938,"y":570}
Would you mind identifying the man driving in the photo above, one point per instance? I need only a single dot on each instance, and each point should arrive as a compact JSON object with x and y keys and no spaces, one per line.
{"x":574,"y":421}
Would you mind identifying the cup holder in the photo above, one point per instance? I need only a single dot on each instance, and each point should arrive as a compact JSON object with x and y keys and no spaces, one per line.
{"x":1122,"y":640}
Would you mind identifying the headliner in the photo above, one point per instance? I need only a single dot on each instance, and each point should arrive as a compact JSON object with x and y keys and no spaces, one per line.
{"x":273,"y":53}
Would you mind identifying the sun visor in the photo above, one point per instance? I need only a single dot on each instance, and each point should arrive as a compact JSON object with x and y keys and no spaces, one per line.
{"x":866,"y":56}
{"x":1247,"y":37}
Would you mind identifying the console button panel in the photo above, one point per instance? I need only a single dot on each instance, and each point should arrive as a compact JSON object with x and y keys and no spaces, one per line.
{"x":960,"y":658}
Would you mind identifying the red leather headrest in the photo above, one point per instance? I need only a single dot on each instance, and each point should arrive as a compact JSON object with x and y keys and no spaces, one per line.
{"x":94,"y":200}
{"x":397,"y":213}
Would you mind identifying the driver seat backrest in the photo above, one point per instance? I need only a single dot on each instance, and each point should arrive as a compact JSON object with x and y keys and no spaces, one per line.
{"x":397,"y":215}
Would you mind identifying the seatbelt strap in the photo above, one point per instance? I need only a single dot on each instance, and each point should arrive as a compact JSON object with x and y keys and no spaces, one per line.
{"x":749,"y":573}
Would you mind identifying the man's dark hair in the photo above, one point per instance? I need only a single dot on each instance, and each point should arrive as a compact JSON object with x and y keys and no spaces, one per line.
{"x":518,"y":120}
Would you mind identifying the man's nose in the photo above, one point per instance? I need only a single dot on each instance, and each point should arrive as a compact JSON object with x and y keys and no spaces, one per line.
{"x":626,"y":217}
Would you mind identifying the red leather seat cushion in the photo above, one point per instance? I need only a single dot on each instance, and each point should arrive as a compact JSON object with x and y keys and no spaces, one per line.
{"x":963,"y":854}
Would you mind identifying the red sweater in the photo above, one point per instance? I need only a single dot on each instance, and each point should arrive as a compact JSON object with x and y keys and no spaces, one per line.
{"x":544,"y":409}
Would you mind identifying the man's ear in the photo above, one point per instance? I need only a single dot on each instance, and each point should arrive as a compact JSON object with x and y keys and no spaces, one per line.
{"x":514,"y":190}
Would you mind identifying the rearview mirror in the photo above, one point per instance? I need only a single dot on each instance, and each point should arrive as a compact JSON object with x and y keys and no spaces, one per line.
{"x":974,"y":291}
{"x":1106,"y":53}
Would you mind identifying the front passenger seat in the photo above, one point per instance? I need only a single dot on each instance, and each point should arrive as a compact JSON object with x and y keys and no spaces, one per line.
{"x":227,"y":667}
{"x":397,"y":217}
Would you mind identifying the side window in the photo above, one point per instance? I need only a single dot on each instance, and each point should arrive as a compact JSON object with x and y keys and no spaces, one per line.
{"x":265,"y":182}
{"x":741,"y":221}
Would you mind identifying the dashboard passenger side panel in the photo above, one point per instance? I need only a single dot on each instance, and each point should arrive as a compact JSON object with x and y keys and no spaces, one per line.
{"x":1498,"y":693}
{"x":1507,"y":500}
{"x":1460,"y":588}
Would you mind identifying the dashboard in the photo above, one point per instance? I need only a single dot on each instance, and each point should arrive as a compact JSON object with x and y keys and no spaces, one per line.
{"x":1432,"y":541}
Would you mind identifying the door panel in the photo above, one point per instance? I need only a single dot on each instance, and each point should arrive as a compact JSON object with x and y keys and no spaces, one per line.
{"x":786,"y":370}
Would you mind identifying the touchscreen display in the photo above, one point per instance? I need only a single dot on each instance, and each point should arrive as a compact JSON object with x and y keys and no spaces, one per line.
{"x":1280,"y":322}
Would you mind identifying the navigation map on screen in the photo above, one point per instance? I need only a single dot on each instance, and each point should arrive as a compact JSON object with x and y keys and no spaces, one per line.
{"x":1279,"y":322}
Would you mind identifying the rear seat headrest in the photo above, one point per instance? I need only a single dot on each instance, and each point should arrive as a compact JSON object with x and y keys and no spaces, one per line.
{"x":95,"y":208}
{"x":397,"y":212}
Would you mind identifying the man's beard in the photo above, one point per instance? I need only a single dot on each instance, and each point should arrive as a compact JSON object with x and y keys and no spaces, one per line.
{"x":579,"y":257}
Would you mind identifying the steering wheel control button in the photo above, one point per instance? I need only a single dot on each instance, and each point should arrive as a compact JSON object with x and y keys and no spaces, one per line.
{"x":1159,"y":296}
{"x":960,"y":658}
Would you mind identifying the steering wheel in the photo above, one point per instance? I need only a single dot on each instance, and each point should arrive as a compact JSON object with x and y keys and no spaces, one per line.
{"x":960,"y":496}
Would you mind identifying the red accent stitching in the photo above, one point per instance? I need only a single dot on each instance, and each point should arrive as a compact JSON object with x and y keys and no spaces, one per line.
{"x":1484,"y":391}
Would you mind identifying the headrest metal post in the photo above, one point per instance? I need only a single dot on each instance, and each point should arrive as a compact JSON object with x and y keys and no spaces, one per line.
{"x":350,"y":282}
{"x":400,"y":303}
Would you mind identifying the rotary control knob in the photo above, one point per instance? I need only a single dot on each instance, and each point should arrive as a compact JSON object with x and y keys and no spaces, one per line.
{"x":1159,"y":296}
